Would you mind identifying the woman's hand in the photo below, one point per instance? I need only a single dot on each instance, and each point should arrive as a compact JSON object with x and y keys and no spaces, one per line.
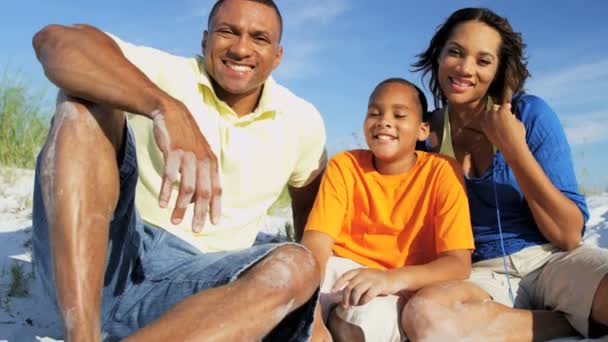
{"x":504,"y":130}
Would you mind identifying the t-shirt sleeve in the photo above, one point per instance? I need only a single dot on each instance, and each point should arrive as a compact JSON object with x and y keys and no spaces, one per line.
{"x":548,"y":143}
{"x":146,"y":59}
{"x":329,"y":210}
{"x":312,"y":155}
{"x":452,"y":217}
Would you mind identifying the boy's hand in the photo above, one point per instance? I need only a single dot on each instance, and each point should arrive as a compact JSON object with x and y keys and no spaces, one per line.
{"x":361,"y":285}
{"x":187,"y":153}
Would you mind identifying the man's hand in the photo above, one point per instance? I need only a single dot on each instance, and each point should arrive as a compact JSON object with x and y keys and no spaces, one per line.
{"x":186,"y":152}
{"x":361,"y":285}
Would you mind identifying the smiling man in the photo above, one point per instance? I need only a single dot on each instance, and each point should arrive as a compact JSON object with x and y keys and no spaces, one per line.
{"x":120,"y":234}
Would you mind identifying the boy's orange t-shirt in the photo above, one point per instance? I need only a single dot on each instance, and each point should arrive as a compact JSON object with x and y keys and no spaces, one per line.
{"x":389,"y":221}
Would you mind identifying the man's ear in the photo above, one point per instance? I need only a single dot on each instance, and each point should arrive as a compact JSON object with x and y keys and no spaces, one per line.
{"x":277,"y":57}
{"x":424,"y":131}
{"x":204,"y":42}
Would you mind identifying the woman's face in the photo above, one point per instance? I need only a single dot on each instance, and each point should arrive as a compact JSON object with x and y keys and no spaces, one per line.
{"x":468,"y":63}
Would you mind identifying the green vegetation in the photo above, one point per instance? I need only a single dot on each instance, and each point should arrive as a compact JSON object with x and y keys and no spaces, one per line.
{"x":23,"y":124}
{"x":19,"y":282}
{"x":18,"y":286}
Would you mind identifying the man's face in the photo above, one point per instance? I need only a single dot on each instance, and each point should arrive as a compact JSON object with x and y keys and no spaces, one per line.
{"x":242,"y":47}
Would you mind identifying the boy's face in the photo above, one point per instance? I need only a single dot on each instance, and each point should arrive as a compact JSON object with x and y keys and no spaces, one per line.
{"x":393,"y":122}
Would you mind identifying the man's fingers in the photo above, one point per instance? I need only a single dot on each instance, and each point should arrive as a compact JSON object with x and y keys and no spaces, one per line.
{"x":172,"y":165}
{"x":186,"y":187}
{"x":202,"y":196}
{"x":216,"y":194}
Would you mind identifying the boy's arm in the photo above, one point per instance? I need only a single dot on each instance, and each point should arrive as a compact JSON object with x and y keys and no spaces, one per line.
{"x":361,"y":285}
{"x":320,"y":245}
{"x":450,"y":265}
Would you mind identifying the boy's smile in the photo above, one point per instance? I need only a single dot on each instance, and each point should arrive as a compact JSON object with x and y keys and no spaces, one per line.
{"x":393,"y":125}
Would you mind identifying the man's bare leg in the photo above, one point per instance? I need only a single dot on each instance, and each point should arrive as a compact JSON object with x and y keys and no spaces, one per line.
{"x":80,"y":186}
{"x":462,"y":310}
{"x":245,"y":310}
{"x":342,"y":331}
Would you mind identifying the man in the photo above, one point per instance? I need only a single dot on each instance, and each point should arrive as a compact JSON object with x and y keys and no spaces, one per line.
{"x":115,"y":274}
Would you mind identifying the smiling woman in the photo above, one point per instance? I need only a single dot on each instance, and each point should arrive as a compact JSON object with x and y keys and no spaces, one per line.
{"x":527,"y":214}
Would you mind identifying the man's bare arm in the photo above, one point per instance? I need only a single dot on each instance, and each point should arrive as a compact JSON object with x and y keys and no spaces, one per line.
{"x":98,"y":83}
{"x":86,"y":63}
{"x":302,"y":200}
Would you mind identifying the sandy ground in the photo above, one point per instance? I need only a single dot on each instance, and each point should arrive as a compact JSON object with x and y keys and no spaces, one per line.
{"x":24,"y":313}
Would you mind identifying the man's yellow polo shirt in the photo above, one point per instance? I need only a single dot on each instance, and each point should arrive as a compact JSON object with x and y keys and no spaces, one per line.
{"x":282,"y":142}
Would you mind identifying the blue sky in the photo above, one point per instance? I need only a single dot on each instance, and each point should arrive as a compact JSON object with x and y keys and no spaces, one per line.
{"x":337,"y":50}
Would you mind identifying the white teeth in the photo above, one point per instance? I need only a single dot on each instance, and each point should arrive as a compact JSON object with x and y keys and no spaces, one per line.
{"x":461,"y":83}
{"x":384,"y":137}
{"x":240,"y":68}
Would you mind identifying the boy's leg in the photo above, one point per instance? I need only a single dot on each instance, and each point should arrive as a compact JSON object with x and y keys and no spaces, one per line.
{"x":376,"y":320}
{"x":343,"y":331}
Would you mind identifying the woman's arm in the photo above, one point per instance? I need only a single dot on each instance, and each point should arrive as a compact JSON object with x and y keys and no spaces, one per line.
{"x":558,"y":218}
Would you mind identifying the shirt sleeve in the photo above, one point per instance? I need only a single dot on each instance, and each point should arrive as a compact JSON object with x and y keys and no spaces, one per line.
{"x":312,"y":155}
{"x":548,"y":143}
{"x":453,"y":229}
{"x":329,"y":210}
{"x":147,"y":60}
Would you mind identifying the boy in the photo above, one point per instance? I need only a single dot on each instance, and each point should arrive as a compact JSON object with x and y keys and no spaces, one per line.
{"x":387,"y":221}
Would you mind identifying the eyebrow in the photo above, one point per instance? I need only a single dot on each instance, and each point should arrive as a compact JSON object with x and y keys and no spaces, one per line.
{"x":234,"y":27}
{"x":400,"y":106}
{"x":483,"y":53}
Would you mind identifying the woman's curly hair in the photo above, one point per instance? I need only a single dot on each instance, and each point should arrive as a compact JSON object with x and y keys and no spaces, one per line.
{"x":512,"y":69}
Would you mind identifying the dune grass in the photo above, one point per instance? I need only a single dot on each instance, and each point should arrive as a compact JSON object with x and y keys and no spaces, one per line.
{"x":23,"y":122}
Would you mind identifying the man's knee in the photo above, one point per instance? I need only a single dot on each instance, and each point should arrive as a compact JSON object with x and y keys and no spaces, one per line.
{"x":88,"y":122}
{"x":294,"y":268}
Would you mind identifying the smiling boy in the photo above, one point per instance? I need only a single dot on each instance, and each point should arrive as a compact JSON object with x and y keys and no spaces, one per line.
{"x":387,"y":221}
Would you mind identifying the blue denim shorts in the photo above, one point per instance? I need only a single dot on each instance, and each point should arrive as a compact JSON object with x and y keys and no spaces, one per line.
{"x":149,"y":270}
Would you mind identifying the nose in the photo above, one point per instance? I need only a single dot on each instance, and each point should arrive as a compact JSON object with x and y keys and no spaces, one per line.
{"x":240,"y":48}
{"x":384,"y":122}
{"x":466,"y":66}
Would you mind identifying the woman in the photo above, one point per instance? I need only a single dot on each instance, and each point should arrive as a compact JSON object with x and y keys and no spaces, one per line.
{"x":527,"y":214}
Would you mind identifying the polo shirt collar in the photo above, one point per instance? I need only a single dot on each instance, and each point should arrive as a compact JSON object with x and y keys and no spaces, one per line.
{"x":266,"y":106}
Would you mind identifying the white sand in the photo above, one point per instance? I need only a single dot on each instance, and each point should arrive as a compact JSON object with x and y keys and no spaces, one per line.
{"x":28,"y":319}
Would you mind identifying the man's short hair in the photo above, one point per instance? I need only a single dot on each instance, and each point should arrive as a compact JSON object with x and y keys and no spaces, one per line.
{"x":269,"y":3}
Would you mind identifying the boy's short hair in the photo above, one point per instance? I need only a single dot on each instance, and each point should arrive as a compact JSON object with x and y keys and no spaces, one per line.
{"x":421,"y":97}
